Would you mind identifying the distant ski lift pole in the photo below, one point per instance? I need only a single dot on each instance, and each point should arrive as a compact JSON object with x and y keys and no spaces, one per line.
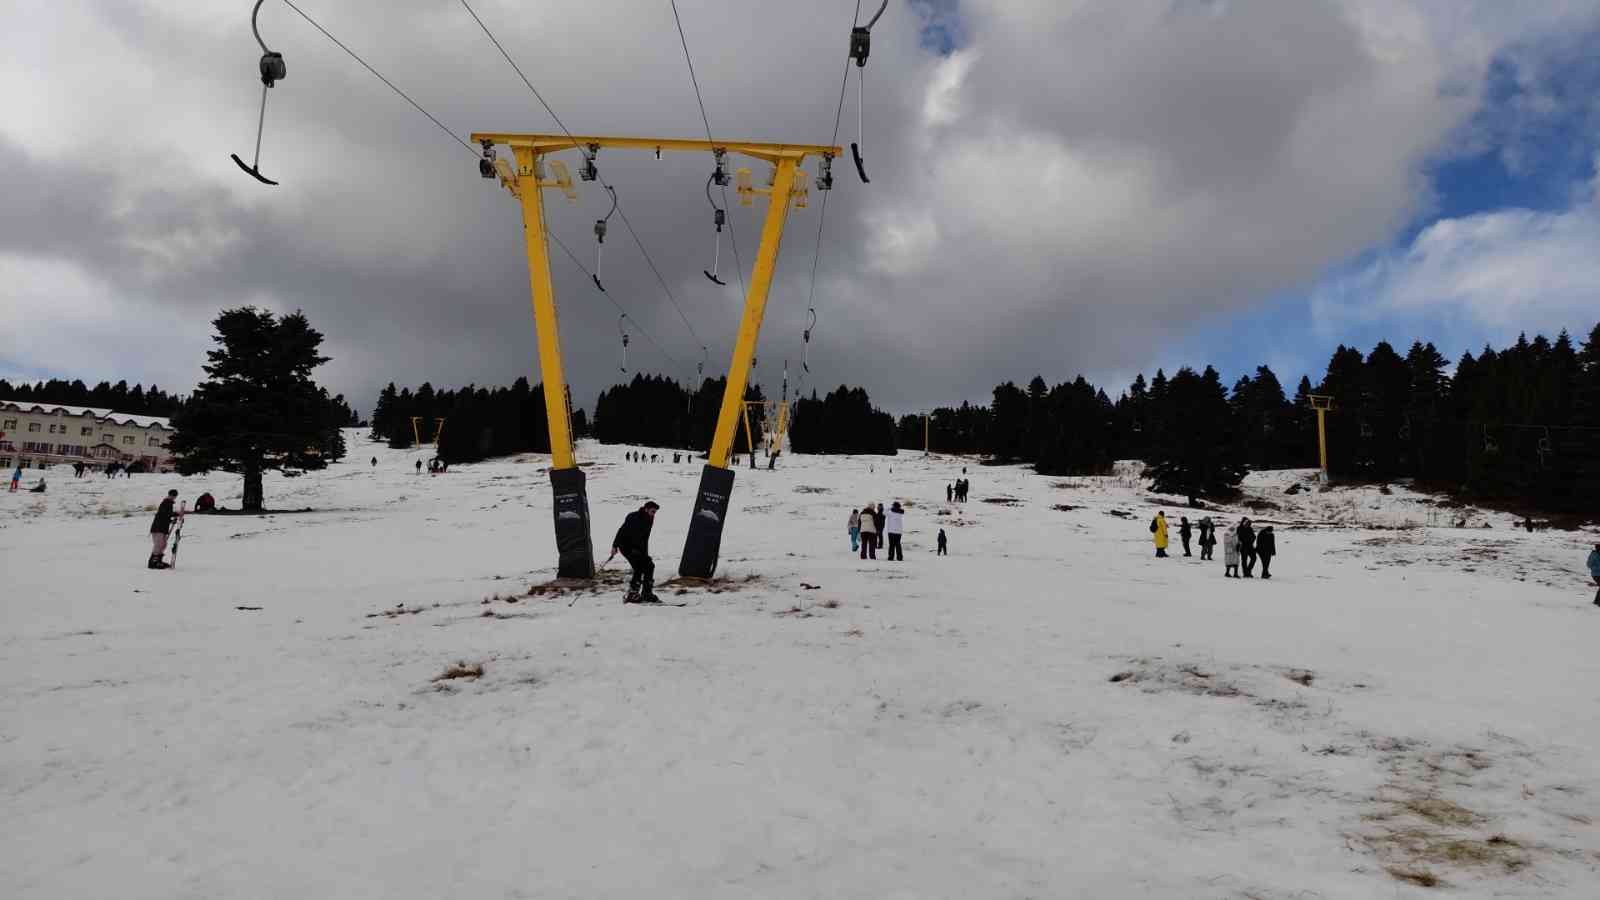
{"x":272,"y":71}
{"x":622,"y":330}
{"x":600,"y":238}
{"x":860,"y":47}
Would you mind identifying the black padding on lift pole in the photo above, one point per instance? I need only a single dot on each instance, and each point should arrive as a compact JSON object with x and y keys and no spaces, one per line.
{"x":705,"y":526}
{"x":572,"y":524}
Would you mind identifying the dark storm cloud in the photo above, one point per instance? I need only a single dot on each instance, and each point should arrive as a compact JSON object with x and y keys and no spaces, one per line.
{"x":1069,"y":187}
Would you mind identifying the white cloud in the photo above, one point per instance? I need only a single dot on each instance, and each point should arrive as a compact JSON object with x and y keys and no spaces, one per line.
{"x":1499,"y":273}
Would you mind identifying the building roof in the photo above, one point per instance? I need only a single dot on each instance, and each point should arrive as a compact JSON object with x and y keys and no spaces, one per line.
{"x":100,"y":415}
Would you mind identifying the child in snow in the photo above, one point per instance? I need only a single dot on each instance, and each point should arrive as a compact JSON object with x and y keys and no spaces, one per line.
{"x":16,"y":478}
{"x":159,"y":529}
{"x":944,"y":550}
{"x":855,"y":530}
{"x":1594,"y":571}
{"x":1230,"y":553}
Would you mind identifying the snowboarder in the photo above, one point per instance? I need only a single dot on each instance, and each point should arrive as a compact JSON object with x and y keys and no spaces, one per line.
{"x":855,"y":529}
{"x":1158,"y":527}
{"x":633,"y":542}
{"x":1266,"y":549}
{"x":944,"y":550}
{"x":1230,"y":553}
{"x":869,"y":533}
{"x":1184,"y":533}
{"x":1594,"y":571}
{"x":895,"y":523}
{"x":1208,"y":537}
{"x":16,"y":478}
{"x":1247,"y":547}
{"x":160,"y":527}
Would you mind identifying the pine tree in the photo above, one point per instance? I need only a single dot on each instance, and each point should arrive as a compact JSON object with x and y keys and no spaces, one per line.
{"x":1198,"y":454}
{"x":259,"y":408}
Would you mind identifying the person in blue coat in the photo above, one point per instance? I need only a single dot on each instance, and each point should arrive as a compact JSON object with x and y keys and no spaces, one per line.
{"x":1594,"y":571}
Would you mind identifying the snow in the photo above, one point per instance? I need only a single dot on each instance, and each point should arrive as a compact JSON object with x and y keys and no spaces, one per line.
{"x":943,"y":727}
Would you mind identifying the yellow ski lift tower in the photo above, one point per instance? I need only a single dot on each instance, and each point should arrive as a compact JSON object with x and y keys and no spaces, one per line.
{"x":416,"y":434}
{"x":525,"y":181}
{"x":1322,"y":403}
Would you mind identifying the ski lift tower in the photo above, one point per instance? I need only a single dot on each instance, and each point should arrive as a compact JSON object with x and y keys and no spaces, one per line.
{"x":1322,"y":403}
{"x":525,"y":181}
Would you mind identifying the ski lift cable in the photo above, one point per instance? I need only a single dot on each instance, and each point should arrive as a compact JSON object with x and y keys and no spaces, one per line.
{"x":620,"y":310}
{"x":588,"y":157}
{"x":379,"y":75}
{"x":733,"y":234}
{"x":822,"y":214}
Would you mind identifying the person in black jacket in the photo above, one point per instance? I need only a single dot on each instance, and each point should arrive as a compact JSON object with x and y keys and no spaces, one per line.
{"x":1247,"y":547}
{"x":633,"y":542}
{"x":1185,"y":532}
{"x":1266,"y":548}
{"x":160,"y":527}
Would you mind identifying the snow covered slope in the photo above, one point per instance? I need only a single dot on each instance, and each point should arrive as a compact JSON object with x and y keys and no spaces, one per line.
{"x":1047,"y":712}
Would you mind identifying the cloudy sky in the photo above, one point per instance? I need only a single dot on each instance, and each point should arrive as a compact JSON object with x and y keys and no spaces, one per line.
{"x":1059,"y":186}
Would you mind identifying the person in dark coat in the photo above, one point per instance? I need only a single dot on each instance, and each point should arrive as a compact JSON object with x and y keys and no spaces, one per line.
{"x":949,"y":493}
{"x":1208,"y":537}
{"x":944,"y":550}
{"x":419,"y":467}
{"x":206,"y":503}
{"x":1185,"y":532}
{"x":1247,"y":547}
{"x":374,"y":461}
{"x":160,"y":527}
{"x":883,"y":522}
{"x":633,"y":542}
{"x":1266,"y":548}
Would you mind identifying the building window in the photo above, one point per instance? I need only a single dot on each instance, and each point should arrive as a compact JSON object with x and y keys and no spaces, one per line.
{"x":86,"y":432}
{"x":5,"y":462}
{"x":35,"y":447}
{"x":9,"y":423}
{"x":108,"y":439}
{"x":127,"y":439}
{"x":33,"y":426}
{"x":153,"y":442}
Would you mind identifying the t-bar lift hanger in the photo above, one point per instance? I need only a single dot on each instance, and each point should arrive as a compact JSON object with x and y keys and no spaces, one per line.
{"x":272,"y":71}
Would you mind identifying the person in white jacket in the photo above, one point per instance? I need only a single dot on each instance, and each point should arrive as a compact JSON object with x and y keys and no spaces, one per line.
{"x":1230,"y":553}
{"x":869,"y":534}
{"x":895,"y":525}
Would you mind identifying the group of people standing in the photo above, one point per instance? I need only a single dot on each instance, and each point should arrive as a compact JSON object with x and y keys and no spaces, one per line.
{"x":1242,"y":545}
{"x":871,"y":525}
{"x":956,"y":493}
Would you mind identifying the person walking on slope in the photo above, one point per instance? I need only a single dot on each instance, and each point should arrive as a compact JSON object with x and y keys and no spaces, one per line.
{"x":1158,"y":527}
{"x":855,"y":529}
{"x":1184,"y":533}
{"x":1594,"y":571}
{"x":895,"y":525}
{"x":949,"y":493}
{"x":419,"y":467}
{"x":1230,"y":553}
{"x":944,"y":550}
{"x":1208,"y":537}
{"x":633,"y":542}
{"x":882,"y":521}
{"x":16,"y":478}
{"x":1247,"y":547}
{"x":869,"y":533}
{"x":1266,"y":549}
{"x":160,"y":527}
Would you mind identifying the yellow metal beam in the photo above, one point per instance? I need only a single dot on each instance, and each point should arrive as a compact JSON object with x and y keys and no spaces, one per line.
{"x":544,"y":312}
{"x":755,"y":308}
{"x":554,"y":143}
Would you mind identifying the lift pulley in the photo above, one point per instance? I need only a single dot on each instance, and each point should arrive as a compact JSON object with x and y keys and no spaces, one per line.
{"x":622,"y":330}
{"x":600,"y":238}
{"x":805,"y":362}
{"x":860,"y":46}
{"x":272,"y":71}
{"x":719,"y":216}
